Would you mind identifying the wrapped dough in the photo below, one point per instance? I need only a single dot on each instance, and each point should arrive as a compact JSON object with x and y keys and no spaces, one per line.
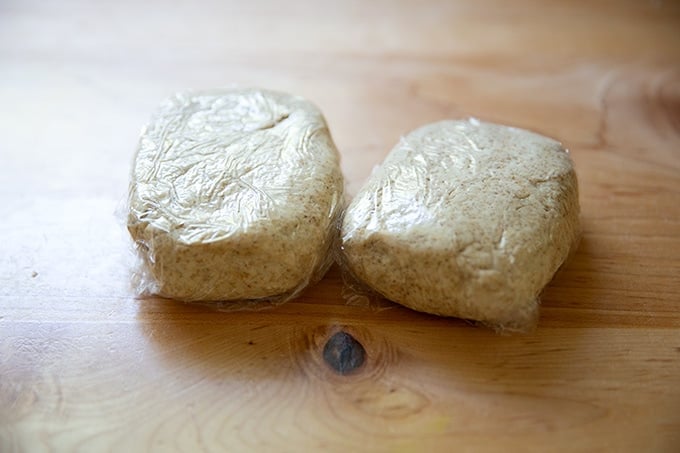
{"x":234,"y":195}
{"x":465,"y":219}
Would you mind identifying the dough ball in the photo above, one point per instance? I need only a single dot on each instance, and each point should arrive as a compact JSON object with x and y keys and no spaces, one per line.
{"x":234,"y":195}
{"x":465,"y":219}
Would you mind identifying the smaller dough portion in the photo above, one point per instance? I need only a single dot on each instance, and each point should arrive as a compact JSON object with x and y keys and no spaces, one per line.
{"x":465,"y":219}
{"x":234,"y":195}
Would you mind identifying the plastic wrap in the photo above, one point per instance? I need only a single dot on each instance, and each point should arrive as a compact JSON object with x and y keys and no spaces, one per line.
{"x":234,"y":196}
{"x":464,"y":219}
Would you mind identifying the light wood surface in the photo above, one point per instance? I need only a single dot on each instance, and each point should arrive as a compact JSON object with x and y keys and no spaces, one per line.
{"x":86,"y":367}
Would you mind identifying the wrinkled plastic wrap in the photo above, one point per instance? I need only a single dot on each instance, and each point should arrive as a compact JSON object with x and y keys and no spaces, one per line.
{"x":464,"y":219}
{"x":234,"y":196}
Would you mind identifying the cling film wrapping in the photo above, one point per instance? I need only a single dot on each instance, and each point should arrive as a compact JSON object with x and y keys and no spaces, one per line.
{"x":464,"y":218}
{"x":234,"y":196}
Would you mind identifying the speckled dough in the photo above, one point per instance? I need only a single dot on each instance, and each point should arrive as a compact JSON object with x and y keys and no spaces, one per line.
{"x":234,"y":196}
{"x":465,"y":219}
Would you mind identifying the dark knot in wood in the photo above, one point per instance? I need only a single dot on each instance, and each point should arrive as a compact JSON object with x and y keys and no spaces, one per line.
{"x":344,"y":353}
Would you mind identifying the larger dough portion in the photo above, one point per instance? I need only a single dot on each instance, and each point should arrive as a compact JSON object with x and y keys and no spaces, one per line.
{"x":465,"y":219}
{"x":234,"y":195}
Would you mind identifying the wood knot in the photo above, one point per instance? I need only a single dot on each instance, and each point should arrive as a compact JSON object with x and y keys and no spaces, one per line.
{"x":343,"y":353}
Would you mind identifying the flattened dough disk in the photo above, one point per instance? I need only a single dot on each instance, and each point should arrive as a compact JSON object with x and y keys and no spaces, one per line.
{"x":465,"y":219}
{"x":234,"y":195}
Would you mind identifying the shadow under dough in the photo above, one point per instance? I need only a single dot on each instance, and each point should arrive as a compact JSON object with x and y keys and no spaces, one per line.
{"x":413,"y":361}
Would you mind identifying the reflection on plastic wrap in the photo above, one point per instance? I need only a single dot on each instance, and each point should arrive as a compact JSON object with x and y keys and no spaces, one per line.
{"x":234,"y":196}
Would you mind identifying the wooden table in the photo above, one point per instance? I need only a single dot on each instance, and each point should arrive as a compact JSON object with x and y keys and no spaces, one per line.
{"x":85,"y":366}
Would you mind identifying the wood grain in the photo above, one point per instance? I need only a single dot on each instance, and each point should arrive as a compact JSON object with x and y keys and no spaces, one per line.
{"x":84,"y":366}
